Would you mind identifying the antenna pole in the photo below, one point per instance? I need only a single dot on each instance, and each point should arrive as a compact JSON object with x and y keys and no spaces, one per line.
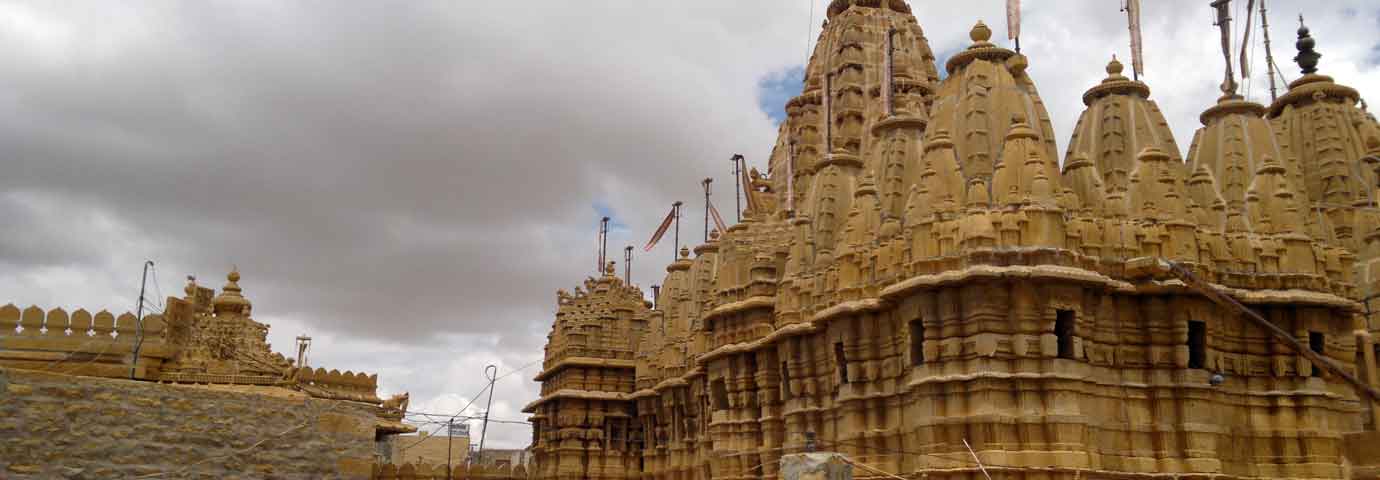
{"x":139,"y":322}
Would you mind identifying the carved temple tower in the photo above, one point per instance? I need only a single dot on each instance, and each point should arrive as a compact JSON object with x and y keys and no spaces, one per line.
{"x":920,"y":272}
{"x":584,"y":424}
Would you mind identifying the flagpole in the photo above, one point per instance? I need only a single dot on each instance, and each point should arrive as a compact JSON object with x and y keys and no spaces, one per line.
{"x":706,"y":183}
{"x":737,"y":190}
{"x":627,"y":265}
{"x":1269,"y":57}
{"x":603,"y":243}
{"x":675,"y":249}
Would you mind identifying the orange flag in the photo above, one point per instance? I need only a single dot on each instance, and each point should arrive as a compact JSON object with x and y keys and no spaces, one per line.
{"x":718,"y":221}
{"x":665,"y":224}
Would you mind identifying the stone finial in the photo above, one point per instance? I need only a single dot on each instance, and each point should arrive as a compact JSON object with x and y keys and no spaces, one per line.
{"x":609,"y":269}
{"x":684,"y":252}
{"x":1307,"y":57}
{"x":980,"y":33}
{"x":1114,"y":67}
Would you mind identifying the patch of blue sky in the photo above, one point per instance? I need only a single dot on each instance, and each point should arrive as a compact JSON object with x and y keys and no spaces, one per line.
{"x":777,"y":88}
{"x":615,"y":224}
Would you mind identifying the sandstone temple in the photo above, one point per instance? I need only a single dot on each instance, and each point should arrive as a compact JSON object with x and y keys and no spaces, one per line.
{"x":922,"y":282}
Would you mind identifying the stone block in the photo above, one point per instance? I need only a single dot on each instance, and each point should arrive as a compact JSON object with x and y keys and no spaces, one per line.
{"x":815,"y":466}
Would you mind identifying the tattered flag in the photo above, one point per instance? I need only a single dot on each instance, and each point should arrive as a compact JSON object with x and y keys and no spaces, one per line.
{"x":1133,"y":21}
{"x":660,"y":231}
{"x":1013,"y":19}
{"x":718,"y":221}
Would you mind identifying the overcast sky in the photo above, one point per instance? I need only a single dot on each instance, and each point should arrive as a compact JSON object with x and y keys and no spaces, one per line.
{"x":410,"y":182}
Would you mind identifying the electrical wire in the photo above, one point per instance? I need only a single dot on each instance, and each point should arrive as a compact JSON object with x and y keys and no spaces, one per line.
{"x":453,"y":417}
{"x":524,"y":367}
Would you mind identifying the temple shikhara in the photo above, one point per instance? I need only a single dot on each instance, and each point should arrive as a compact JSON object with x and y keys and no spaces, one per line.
{"x":922,"y":282}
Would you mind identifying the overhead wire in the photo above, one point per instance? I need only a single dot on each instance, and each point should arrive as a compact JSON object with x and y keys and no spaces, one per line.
{"x":473,"y":398}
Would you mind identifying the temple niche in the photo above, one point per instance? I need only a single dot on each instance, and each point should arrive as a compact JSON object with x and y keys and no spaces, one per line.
{"x":931,"y":276}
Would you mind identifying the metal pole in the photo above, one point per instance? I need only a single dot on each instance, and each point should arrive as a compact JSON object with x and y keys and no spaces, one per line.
{"x":490,"y":371}
{"x":976,"y":459}
{"x":627,"y":265}
{"x":139,"y":322}
{"x":603,"y":244}
{"x":737,"y":191}
{"x":675,"y":251}
{"x":706,"y":183}
{"x":450,"y":427}
{"x":1193,"y":282}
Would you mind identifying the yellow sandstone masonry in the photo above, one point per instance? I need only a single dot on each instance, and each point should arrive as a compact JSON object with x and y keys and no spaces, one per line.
{"x":941,"y":276}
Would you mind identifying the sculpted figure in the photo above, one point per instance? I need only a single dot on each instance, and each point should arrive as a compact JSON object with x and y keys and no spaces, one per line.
{"x":397,"y":402}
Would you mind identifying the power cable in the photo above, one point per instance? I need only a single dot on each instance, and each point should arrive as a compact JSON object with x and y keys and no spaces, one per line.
{"x":457,"y":415}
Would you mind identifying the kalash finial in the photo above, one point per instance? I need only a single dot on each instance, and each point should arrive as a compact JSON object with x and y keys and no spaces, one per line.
{"x":1114,"y":67}
{"x":684,"y":252}
{"x":980,"y":33}
{"x":609,"y":269}
{"x":1307,"y":57}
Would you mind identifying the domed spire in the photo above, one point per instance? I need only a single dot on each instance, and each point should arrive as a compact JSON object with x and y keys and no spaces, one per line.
{"x":1307,"y":57}
{"x":231,"y":298}
{"x":1121,"y":120}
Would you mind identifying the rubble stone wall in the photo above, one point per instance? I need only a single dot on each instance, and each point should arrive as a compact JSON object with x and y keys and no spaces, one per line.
{"x":60,"y":426}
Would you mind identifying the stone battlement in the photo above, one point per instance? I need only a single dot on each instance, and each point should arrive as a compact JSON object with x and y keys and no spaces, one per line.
{"x":81,"y":343}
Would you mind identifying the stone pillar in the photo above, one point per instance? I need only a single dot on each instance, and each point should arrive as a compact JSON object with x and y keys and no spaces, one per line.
{"x":815,"y":466}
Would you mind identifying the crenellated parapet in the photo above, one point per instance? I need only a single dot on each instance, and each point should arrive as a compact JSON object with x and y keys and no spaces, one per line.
{"x":359,"y":387}
{"x":81,"y":343}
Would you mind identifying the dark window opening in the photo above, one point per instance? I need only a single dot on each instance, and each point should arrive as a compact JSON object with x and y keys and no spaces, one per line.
{"x":917,"y":342}
{"x":1316,"y":342}
{"x":1063,"y":329}
{"x":720,"y":392}
{"x":785,"y":381}
{"x":1197,"y":344}
{"x":842,"y":361}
